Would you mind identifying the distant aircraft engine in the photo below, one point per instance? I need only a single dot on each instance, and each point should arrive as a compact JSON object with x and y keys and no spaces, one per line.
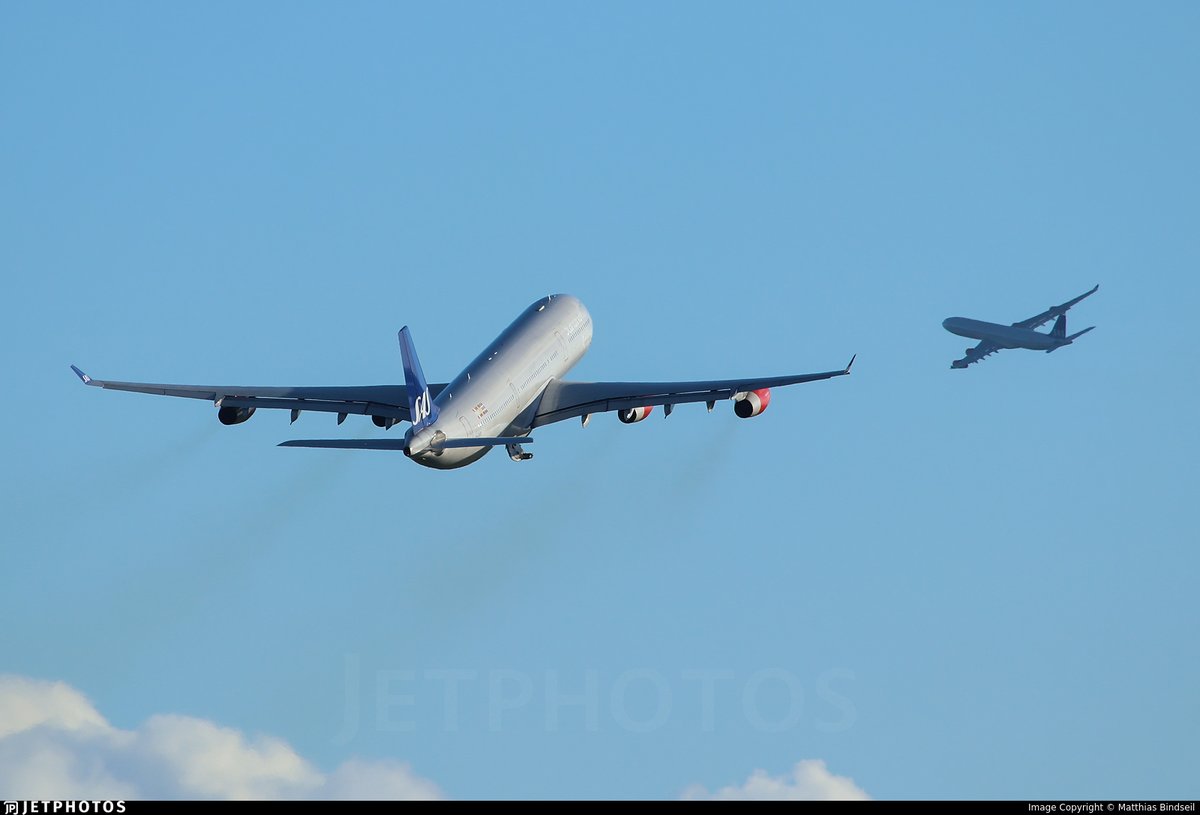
{"x":751,"y":403}
{"x":634,"y":414}
{"x":234,"y":415}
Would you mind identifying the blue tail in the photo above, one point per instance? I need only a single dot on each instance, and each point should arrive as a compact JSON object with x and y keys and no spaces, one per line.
{"x":1060,"y":328}
{"x":420,"y":406}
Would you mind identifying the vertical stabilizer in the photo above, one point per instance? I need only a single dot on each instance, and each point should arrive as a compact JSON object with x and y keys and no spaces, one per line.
{"x":420,"y":406}
{"x":1060,"y":328}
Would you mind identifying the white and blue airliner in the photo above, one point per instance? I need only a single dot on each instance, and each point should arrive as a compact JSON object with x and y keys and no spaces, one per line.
{"x":513,"y":387}
{"x":994,"y":337}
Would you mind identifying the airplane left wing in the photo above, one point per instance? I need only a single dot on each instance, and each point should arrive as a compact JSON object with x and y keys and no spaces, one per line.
{"x":565,"y":400}
{"x":984,"y":349}
{"x":1054,"y":311}
{"x":388,"y":401}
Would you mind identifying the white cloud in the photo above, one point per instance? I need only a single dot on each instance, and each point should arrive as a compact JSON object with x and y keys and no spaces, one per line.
{"x":55,"y":744}
{"x":809,"y":780}
{"x":25,"y":704}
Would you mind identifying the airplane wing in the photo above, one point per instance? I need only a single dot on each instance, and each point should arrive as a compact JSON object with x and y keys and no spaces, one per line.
{"x":984,"y":349}
{"x":565,"y":400}
{"x":1054,"y":311}
{"x":389,"y":401}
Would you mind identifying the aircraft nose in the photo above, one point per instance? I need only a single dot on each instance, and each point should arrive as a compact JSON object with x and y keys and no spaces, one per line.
{"x":946,"y":323}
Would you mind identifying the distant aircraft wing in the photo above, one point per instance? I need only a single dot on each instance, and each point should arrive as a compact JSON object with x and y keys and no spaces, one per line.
{"x":565,"y":400}
{"x":1054,"y":311}
{"x":389,"y":401}
{"x":984,"y":349}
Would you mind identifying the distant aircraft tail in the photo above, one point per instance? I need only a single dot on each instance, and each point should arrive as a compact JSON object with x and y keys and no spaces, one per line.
{"x":1059,"y":331}
{"x":420,"y":406}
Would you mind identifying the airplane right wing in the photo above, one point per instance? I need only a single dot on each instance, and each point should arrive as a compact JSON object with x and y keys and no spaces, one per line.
{"x":235,"y":403}
{"x":388,"y":401}
{"x":984,"y":349}
{"x":565,"y":400}
{"x":1054,"y":311}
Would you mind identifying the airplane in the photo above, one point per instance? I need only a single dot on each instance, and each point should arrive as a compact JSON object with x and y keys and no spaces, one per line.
{"x":513,"y":387}
{"x":994,"y":336}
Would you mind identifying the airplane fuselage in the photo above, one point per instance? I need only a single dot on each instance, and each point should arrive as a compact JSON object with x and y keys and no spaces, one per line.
{"x":497,"y":394}
{"x":1003,"y":336}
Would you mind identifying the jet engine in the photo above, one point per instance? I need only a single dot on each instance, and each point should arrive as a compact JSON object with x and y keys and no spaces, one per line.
{"x":234,"y":415}
{"x":751,"y":403}
{"x":634,"y":414}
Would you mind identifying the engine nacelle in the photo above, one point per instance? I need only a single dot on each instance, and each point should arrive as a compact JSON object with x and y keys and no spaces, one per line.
{"x":234,"y":415}
{"x":751,"y":403}
{"x":634,"y":414}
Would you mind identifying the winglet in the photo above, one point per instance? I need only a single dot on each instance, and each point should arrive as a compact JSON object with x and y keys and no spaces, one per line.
{"x":87,"y":380}
{"x":850,"y":364}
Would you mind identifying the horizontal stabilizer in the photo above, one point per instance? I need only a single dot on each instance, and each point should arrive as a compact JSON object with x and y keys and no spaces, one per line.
{"x":347,"y":444}
{"x":399,"y":444}
{"x":486,"y":441}
{"x":1080,"y":333}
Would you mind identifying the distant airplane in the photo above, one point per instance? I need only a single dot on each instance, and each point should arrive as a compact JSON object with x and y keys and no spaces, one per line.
{"x":510,"y":389}
{"x":994,"y":336}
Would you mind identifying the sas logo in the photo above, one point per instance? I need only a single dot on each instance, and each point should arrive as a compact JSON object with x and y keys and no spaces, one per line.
{"x":421,"y":408}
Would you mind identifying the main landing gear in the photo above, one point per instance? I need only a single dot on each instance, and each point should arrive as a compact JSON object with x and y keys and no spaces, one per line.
{"x":516,"y":453}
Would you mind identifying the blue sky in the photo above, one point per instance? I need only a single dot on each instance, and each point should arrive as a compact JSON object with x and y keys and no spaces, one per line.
{"x":941,"y":583}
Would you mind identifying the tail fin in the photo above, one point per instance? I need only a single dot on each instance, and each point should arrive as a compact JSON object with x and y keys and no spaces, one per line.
{"x":420,"y":406}
{"x":1060,"y":328}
